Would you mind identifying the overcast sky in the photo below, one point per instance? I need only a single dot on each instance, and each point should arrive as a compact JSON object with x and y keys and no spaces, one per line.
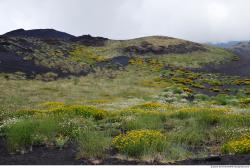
{"x":196,"y":20}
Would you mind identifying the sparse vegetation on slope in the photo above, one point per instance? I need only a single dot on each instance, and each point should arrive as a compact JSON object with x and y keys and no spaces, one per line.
{"x":146,"y":99}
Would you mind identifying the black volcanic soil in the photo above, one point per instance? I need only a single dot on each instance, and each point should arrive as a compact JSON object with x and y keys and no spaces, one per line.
{"x":90,"y":41}
{"x":40,"y":33}
{"x":10,"y":63}
{"x":39,"y":156}
{"x":45,"y":156}
{"x":116,"y":62}
{"x":234,"y":68}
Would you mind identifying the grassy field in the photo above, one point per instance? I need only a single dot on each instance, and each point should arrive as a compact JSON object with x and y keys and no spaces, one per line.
{"x":141,"y":112}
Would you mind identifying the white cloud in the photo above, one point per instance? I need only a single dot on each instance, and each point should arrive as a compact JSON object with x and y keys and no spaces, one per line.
{"x":196,"y":20}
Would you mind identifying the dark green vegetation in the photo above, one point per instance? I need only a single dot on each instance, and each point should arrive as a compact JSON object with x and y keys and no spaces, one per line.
{"x":145,"y":99}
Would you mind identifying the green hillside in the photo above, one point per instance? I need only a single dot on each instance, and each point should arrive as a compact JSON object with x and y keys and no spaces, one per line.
{"x":145,"y":99}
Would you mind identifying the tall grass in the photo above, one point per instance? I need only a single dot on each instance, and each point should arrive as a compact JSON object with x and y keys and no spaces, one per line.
{"x":93,"y":144}
{"x":25,"y":133}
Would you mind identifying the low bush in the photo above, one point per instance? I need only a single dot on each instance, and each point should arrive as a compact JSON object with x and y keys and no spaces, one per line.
{"x":52,"y":104}
{"x":28,"y":132}
{"x":235,"y":120}
{"x":197,"y":85}
{"x":245,"y":101}
{"x":197,"y":112}
{"x":85,"y":111}
{"x":150,"y":105}
{"x":215,"y":90}
{"x":93,"y":144}
{"x":241,"y":146}
{"x":222,"y":99}
{"x":192,"y":136}
{"x":242,"y":82}
{"x":143,"y":121}
{"x":19,"y":135}
{"x":60,"y":141}
{"x":50,"y":76}
{"x":60,"y":110}
{"x":140,"y":142}
{"x":202,"y":97}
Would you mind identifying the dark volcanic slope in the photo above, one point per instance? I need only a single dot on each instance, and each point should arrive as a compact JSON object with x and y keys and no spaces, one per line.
{"x":40,"y":33}
{"x":37,"y":52}
{"x":7,"y":60}
{"x":242,"y":48}
{"x":89,"y":40}
{"x":239,"y":66}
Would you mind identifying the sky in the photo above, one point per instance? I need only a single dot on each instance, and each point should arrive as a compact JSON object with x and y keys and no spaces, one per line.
{"x":194,"y":20}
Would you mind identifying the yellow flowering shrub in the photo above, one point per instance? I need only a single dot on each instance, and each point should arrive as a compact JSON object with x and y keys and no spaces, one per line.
{"x":136,"y":61}
{"x":241,"y":146}
{"x":84,"y":111}
{"x":242,"y":82}
{"x":140,"y":142}
{"x":151,"y":105}
{"x":84,"y":54}
{"x":187,"y":90}
{"x":73,"y":110}
{"x":29,"y":112}
{"x":99,"y":101}
{"x":184,"y":81}
{"x":245,"y":101}
{"x":217,"y":110}
{"x":52,"y":104}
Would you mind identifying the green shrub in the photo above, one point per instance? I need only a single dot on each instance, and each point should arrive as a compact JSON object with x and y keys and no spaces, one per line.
{"x":50,"y":76}
{"x":19,"y":135}
{"x":143,"y":121}
{"x":27,"y":112}
{"x":192,"y":136}
{"x":84,"y":111}
{"x":222,"y":99}
{"x":28,"y":132}
{"x":177,"y":90}
{"x":245,"y":101}
{"x":61,"y":140}
{"x":140,"y":142}
{"x":202,"y":97}
{"x":235,"y":120}
{"x":206,"y":119}
{"x":197,"y":85}
{"x":39,"y":139}
{"x":204,"y":116}
{"x":151,"y":106}
{"x":51,"y":105}
{"x":48,"y":127}
{"x":93,"y":144}
{"x":68,"y":111}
